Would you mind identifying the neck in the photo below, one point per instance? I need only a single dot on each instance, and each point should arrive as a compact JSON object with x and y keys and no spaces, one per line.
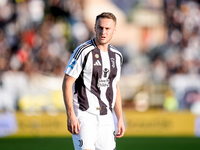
{"x":103,"y":47}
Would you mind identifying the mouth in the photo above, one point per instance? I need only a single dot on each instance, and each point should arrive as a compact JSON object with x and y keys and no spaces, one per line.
{"x":103,"y":37}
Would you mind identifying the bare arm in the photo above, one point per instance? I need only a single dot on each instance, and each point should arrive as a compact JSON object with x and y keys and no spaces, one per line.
{"x":119,"y":113}
{"x":72,"y":121}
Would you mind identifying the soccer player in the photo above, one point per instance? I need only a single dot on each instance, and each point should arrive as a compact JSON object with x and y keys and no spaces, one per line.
{"x":91,"y":90}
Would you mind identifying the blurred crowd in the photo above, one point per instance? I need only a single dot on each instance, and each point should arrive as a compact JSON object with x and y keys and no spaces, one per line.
{"x":180,"y":54}
{"x":177,"y":62}
{"x":38,"y":36}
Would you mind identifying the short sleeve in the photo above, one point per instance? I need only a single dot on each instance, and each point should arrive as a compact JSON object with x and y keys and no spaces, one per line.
{"x":119,"y":65}
{"x":74,"y":66}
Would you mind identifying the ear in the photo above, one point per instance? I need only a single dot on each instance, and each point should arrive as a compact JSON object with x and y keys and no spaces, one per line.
{"x":115,"y":30}
{"x":95,"y":27}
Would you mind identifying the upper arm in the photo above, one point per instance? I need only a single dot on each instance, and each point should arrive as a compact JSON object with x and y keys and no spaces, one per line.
{"x":68,"y":81}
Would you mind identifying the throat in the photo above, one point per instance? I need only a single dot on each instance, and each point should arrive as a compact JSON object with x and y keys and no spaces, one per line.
{"x":103,"y":48}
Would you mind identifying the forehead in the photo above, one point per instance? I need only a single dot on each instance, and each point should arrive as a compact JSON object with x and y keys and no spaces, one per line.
{"x":105,"y":22}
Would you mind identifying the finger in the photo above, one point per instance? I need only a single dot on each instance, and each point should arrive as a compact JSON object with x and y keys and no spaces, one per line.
{"x":75,"y":130}
{"x":78,"y":126}
{"x":120,"y":133}
{"x":69,"y":129}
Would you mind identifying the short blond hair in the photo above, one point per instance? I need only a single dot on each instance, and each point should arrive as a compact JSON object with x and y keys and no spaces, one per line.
{"x":107,"y":15}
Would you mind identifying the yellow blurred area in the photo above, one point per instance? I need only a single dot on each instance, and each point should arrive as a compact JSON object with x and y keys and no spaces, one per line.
{"x":41,"y":125}
{"x":150,"y":123}
{"x":51,"y":102}
{"x":159,"y":123}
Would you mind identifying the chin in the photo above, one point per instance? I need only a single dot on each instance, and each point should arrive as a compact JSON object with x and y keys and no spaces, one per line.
{"x":103,"y":42}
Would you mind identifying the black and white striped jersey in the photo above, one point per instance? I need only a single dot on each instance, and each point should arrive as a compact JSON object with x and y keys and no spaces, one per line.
{"x":97,"y":74}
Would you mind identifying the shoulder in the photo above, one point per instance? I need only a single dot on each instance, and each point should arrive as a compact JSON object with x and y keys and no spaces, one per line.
{"x":116,"y":51}
{"x":83,"y":49}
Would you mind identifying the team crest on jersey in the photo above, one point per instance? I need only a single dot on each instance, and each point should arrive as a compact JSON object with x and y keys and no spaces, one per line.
{"x":72,"y":64}
{"x":113,"y":62}
{"x":96,"y":55}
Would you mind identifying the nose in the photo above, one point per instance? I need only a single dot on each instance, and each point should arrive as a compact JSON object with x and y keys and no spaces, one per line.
{"x":103,"y":31}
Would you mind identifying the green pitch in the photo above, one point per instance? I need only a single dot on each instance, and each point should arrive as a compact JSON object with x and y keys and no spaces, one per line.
{"x":126,"y":143}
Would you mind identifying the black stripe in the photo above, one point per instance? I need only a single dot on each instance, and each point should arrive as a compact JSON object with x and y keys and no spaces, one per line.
{"x":78,"y":50}
{"x":96,"y":75}
{"x":81,"y":48}
{"x":86,"y":46}
{"x":80,"y":89}
{"x":118,"y":53}
{"x":112,"y":75}
{"x":121,"y":58}
{"x":93,"y":41}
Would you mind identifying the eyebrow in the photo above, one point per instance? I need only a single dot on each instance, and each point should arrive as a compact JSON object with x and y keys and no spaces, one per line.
{"x":102,"y":27}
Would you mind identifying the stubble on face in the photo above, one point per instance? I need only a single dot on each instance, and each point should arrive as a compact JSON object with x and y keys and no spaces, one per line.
{"x":104,"y":28}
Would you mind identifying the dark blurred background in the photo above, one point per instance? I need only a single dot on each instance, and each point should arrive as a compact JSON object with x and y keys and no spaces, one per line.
{"x":159,"y":40}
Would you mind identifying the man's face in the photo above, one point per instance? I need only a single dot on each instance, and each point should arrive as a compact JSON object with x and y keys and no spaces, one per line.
{"x":104,"y":28}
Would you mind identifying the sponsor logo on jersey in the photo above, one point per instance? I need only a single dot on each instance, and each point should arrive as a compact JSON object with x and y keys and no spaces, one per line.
{"x":72,"y":64}
{"x":97,"y":63}
{"x":103,"y":83}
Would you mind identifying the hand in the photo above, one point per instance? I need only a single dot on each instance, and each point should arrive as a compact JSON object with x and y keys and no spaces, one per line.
{"x":121,"y":129}
{"x":73,"y":125}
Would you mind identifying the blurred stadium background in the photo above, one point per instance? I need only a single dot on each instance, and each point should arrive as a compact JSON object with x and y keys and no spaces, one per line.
{"x":160,"y":82}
